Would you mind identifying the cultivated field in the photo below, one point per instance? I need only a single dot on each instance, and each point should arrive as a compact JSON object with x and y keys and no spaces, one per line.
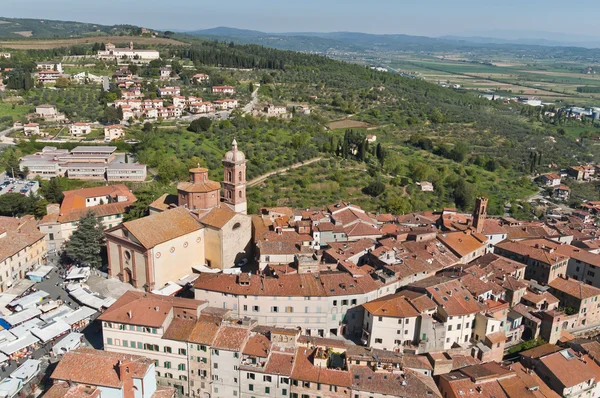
{"x":348,"y":124}
{"x":43,"y":44}
{"x":548,"y":80}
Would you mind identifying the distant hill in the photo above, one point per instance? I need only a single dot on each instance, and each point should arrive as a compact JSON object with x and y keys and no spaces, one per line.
{"x":364,"y":42}
{"x":19,"y":28}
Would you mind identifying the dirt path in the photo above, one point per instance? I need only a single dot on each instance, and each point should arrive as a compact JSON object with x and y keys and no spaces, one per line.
{"x":259,"y":179}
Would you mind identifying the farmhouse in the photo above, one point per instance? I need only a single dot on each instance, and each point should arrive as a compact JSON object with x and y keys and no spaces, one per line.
{"x":78,"y":129}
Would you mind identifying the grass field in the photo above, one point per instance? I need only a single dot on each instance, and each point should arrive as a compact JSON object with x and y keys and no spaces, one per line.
{"x":57,"y":43}
{"x":16,"y":113}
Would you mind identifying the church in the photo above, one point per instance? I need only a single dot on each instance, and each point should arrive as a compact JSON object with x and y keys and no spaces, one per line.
{"x":204,"y":227}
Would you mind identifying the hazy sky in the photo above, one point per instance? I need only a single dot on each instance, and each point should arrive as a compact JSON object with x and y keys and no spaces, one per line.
{"x":419,"y":17}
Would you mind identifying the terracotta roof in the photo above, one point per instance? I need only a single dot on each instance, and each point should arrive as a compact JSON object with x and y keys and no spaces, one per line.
{"x":164,"y":202}
{"x":231,"y":338}
{"x":146,"y":309}
{"x":569,"y":372}
{"x":361,"y":229}
{"x":99,"y":368}
{"x":540,"y":253}
{"x":217,"y":217}
{"x":497,"y":337}
{"x":280,"y":363}
{"x":304,"y":370}
{"x":162,"y":227}
{"x":533,"y":381}
{"x":396,"y":305}
{"x":454,"y":298}
{"x":199,"y":187}
{"x":258,"y":346}
{"x":66,"y":390}
{"x":205,"y":330}
{"x":574,"y":288}
{"x":540,"y":351}
{"x":461,"y":243}
{"x":411,"y":384}
{"x":180,"y":329}
{"x":76,"y":199}
{"x":110,"y":209}
{"x":20,"y":234}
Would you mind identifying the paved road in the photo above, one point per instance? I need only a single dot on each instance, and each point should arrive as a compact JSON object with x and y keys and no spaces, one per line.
{"x":105,"y":83}
{"x":263,"y":177}
{"x":4,"y":140}
{"x":253,"y":102}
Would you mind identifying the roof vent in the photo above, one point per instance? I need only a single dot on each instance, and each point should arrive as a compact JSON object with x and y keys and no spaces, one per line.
{"x":156,"y":308}
{"x":129,"y":314}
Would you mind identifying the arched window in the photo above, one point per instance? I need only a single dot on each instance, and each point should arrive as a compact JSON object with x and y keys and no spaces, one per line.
{"x":229,"y":176}
{"x":240,"y":176}
{"x":240,"y":194}
{"x":236,"y":225}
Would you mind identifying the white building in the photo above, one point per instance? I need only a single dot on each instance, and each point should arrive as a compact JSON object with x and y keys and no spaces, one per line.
{"x":79,"y":129}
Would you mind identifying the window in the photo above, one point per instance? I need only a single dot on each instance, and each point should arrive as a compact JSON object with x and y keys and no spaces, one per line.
{"x":215,"y":352}
{"x":344,"y":302}
{"x":378,"y":341}
{"x":283,"y":391}
{"x":215,"y":365}
{"x":267,"y":378}
{"x":380,"y":319}
{"x":125,"y":343}
{"x":237,"y":224}
{"x":140,"y":345}
{"x":109,"y":341}
{"x":181,"y":366}
{"x":166,"y":349}
{"x":255,"y":308}
{"x":250,"y":387}
{"x":182,"y":351}
{"x":275,"y":309}
{"x":167,"y":365}
{"x":245,"y":307}
{"x":334,"y":302}
{"x":459,"y":325}
{"x":289,"y":309}
{"x":267,"y":390}
{"x":449,"y":328}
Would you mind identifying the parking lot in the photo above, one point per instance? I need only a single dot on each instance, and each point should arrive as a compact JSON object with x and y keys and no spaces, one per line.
{"x":18,"y":186}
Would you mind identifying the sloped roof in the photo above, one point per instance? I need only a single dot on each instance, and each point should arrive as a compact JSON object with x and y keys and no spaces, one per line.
{"x":162,"y":227}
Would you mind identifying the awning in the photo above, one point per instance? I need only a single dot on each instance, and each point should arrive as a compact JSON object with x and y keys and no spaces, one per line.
{"x":70,"y":342}
{"x":25,"y":341}
{"x":51,"y":330}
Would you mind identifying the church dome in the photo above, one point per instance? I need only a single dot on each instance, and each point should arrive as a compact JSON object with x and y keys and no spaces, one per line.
{"x":234,"y":156}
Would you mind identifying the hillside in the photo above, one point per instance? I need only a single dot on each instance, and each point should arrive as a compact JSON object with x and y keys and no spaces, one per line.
{"x":19,"y":28}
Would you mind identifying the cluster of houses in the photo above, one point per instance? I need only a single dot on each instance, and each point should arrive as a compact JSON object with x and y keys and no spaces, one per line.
{"x":432,"y":299}
{"x":554,"y":181}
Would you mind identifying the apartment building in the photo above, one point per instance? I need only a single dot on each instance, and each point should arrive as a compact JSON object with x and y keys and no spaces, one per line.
{"x":108,"y":203}
{"x":394,"y":322}
{"x":151,"y":325}
{"x":544,"y":263}
{"x":223,"y":90}
{"x":114,"y":132}
{"x":22,"y":248}
{"x":581,"y":297}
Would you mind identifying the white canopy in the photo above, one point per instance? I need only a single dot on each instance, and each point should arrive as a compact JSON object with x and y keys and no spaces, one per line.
{"x":26,"y":327}
{"x":51,"y":330}
{"x":27,"y":371}
{"x":30,"y":300}
{"x":17,"y":345}
{"x":70,"y":342}
{"x":10,"y":387}
{"x":23,"y":316}
{"x":78,"y":315}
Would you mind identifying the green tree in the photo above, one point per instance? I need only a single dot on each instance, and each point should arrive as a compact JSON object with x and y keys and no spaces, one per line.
{"x":86,"y":242}
{"x":375,"y":188}
{"x":200,"y":124}
{"x":52,"y":191}
{"x":15,"y":205}
{"x":464,"y":194}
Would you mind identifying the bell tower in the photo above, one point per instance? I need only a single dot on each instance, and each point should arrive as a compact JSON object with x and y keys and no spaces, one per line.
{"x":480,"y":213}
{"x":234,"y":179}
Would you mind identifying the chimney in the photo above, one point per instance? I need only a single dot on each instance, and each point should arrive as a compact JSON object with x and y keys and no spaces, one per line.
{"x":479,"y":389}
{"x":124,"y":371}
{"x":129,"y":314}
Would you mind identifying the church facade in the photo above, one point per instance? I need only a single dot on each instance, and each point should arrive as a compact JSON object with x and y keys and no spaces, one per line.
{"x":203,"y":226}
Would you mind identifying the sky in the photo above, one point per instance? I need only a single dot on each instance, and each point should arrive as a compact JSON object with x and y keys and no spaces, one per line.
{"x":414,"y":17}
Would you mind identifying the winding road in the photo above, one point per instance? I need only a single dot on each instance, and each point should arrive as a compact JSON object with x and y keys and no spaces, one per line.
{"x":261,"y":178}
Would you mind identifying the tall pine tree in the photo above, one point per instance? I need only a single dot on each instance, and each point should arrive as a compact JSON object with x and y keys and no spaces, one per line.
{"x":86,"y":243}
